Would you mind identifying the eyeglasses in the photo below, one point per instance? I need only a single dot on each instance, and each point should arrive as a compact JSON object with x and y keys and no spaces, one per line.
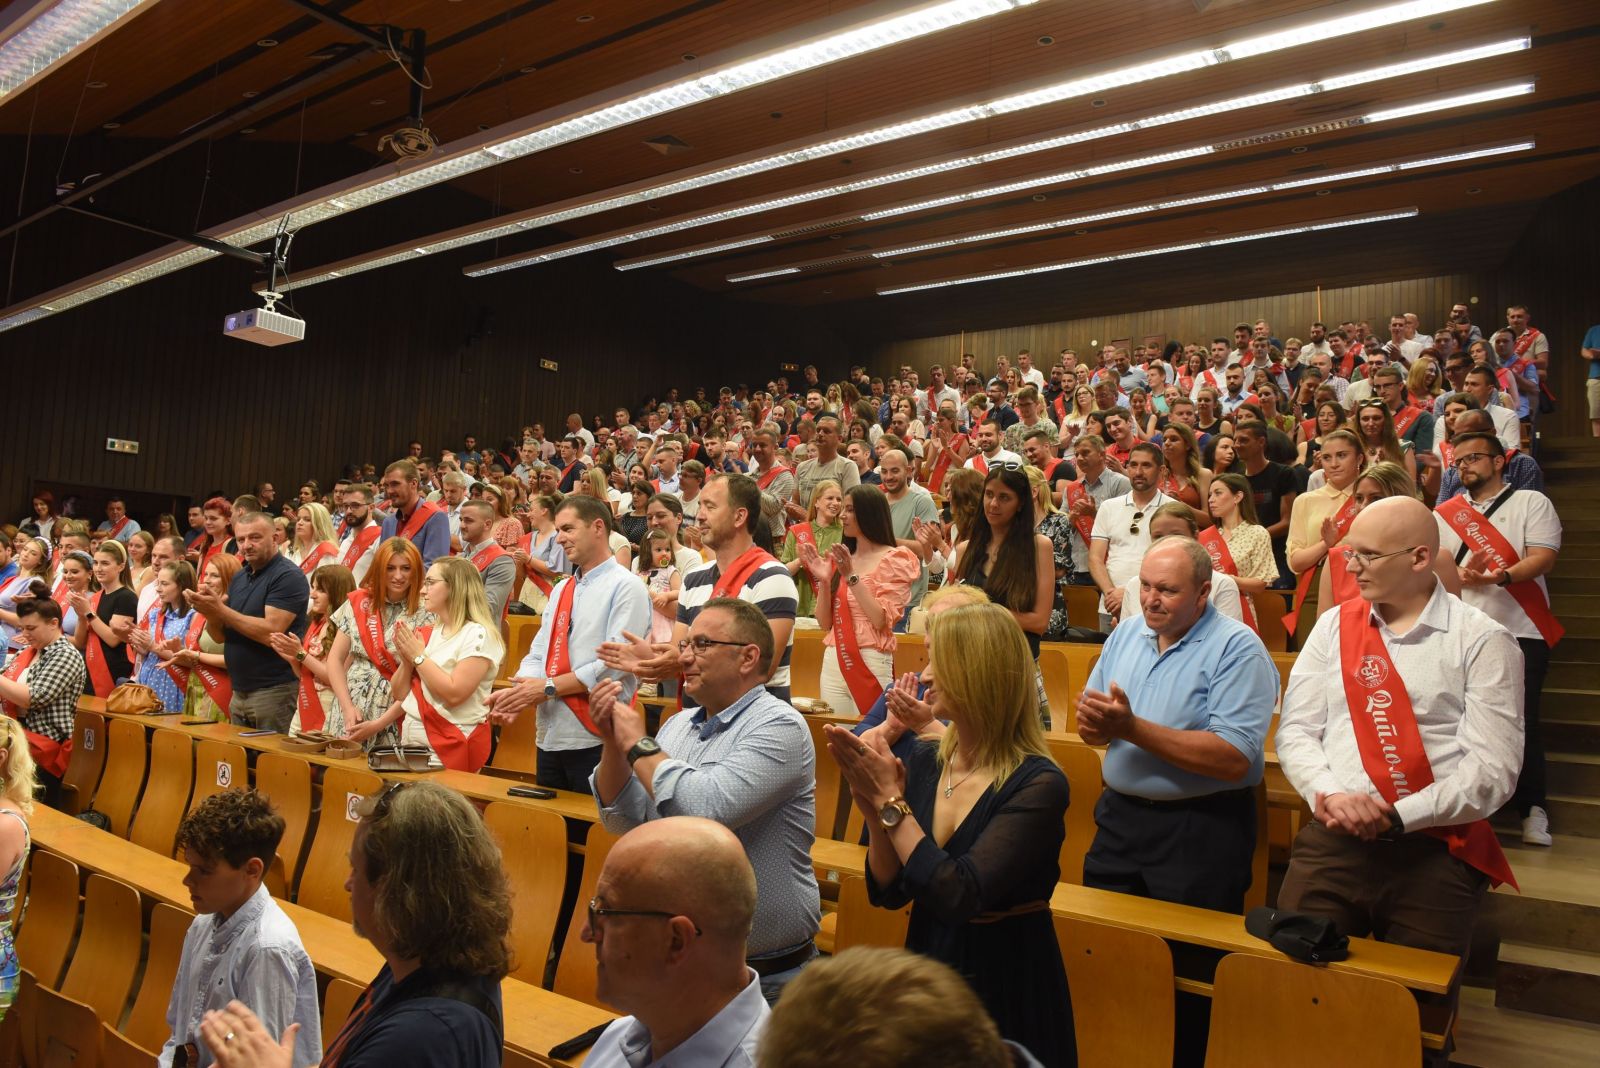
{"x":596,"y":912}
{"x":1470,"y":458}
{"x":1353,"y":558}
{"x":380,"y":807}
{"x":701,"y":644}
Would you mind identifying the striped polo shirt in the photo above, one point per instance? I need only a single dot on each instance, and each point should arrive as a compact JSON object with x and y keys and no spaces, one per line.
{"x":769,"y":588}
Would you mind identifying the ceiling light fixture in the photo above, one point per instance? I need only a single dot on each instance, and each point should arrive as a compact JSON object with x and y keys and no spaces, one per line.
{"x":58,"y":34}
{"x":1085,"y":85}
{"x":843,"y":38}
{"x":1151,"y":207}
{"x":1162,"y":250}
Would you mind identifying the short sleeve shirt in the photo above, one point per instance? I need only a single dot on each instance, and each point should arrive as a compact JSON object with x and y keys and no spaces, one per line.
{"x":253,"y":665}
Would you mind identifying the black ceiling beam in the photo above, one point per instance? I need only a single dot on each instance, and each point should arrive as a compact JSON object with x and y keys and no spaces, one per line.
{"x":259,"y":259}
{"x":386,"y":39}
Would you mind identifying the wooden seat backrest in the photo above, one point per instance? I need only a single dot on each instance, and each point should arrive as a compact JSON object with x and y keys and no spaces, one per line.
{"x":119,"y":1051}
{"x":575,"y":970}
{"x":322,"y":881}
{"x":124,"y":775}
{"x":52,"y":918}
{"x":515,"y":750}
{"x":830,"y":784}
{"x":66,"y":1032}
{"x":109,"y":946}
{"x":1082,"y":767}
{"x":1270,"y":608}
{"x":805,"y":664}
{"x":910,"y":654}
{"x":1056,"y":670}
{"x":147,"y":1020}
{"x":286,"y":781}
{"x":87,"y":763}
{"x":337,"y":1001}
{"x":518,"y":632}
{"x":1267,"y":1010}
{"x":860,"y":924}
{"x":218,"y":766}
{"x":533,"y":850}
{"x":166,"y":798}
{"x":1122,"y":993}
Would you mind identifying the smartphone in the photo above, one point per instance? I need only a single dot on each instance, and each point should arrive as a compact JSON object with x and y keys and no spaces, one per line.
{"x":196,"y":722}
{"x":543,"y":793}
{"x":255,"y":734}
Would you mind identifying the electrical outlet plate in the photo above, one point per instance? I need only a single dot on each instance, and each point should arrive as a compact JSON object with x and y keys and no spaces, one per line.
{"x":548,"y":365}
{"x":122,"y":445}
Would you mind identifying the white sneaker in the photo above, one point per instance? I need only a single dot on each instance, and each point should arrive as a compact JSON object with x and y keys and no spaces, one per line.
{"x":1536,"y":827}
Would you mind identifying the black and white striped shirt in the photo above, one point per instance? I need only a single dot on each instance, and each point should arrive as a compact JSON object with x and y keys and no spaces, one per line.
{"x":769,"y":588}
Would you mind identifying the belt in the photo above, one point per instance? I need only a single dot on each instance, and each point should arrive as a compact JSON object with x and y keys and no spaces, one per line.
{"x":1203,"y":801}
{"x":765,"y":966}
{"x":1025,"y":909}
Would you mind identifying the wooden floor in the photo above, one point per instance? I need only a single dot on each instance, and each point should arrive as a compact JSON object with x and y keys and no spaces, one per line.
{"x":1487,"y":1037}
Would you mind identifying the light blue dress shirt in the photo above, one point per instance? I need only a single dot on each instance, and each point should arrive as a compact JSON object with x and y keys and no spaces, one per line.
{"x":751,"y":768}
{"x":432,"y":541}
{"x":1218,"y":677}
{"x":728,"y":1040}
{"x":254,"y":956}
{"x":609,"y":599}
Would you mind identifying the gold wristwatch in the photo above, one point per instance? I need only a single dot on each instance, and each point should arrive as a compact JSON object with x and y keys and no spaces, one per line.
{"x":893,"y":811}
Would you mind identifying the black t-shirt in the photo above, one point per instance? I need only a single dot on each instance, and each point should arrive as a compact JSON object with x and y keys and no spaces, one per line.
{"x":253,"y":665}
{"x":121,"y":602}
{"x":1271,"y":485}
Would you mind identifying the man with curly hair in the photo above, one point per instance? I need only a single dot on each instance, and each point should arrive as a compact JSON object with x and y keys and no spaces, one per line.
{"x":241,"y":945}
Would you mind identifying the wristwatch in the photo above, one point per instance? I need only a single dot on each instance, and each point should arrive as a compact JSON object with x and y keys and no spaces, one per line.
{"x":853,"y":579}
{"x":1503,"y":580}
{"x":549,"y":688}
{"x":417,"y":660}
{"x":300,"y":657}
{"x":88,"y":615}
{"x":646,"y":746}
{"x":893,"y":811}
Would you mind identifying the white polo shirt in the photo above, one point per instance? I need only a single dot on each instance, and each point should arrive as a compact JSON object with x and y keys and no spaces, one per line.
{"x":1113,"y":524}
{"x":1527,"y":519}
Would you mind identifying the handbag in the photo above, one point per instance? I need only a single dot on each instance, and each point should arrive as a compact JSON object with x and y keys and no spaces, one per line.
{"x":401,"y":758}
{"x":132,"y":699}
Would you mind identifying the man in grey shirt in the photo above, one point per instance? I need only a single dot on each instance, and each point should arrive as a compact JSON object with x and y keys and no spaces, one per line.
{"x":1101,"y":484}
{"x":743,"y":759}
{"x":828,"y":463}
{"x":907,"y":503}
{"x":498,"y":568}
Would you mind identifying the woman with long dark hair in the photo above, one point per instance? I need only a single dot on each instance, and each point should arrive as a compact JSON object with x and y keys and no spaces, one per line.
{"x":863,"y":586}
{"x":1004,"y":555}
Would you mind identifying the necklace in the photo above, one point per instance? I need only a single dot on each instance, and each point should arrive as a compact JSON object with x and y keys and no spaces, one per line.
{"x":950,"y":787}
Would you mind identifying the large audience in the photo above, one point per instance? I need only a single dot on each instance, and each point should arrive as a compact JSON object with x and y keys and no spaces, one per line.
{"x":1370,"y":491}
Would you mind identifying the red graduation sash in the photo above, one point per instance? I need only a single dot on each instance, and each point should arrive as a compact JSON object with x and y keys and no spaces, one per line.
{"x":117,"y":527}
{"x":14,"y":670}
{"x":94,"y":656}
{"x":763,"y":481}
{"x":1222,"y":559}
{"x":370,"y":628}
{"x":360,"y":544}
{"x":805,"y":534}
{"x":980,"y":463}
{"x":1340,"y":580}
{"x":864,"y":687}
{"x":1083,"y":524}
{"x":1405,"y":417}
{"x":739,"y":572}
{"x":1481,"y":535}
{"x":559,"y":662}
{"x":1447,"y":452}
{"x":456,"y":749}
{"x":1347,"y":362}
{"x":539,"y":581}
{"x":1050,"y":471}
{"x":1308,"y":430}
{"x":48,"y":753}
{"x":342,"y":529}
{"x":1302,"y":587}
{"x":307,"y":703}
{"x":1391,"y":746}
{"x":1060,"y":406}
{"x":424,"y":511}
{"x":482,"y":559}
{"x":60,"y":594}
{"x":211,"y":549}
{"x":946,"y":458}
{"x":217,"y":683}
{"x":316,"y":556}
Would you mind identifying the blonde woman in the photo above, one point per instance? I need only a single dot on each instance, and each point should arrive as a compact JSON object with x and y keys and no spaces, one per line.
{"x":33,"y":562}
{"x":969,"y":831}
{"x":1185,"y":479}
{"x":823,"y":530}
{"x":16,"y":805}
{"x":446,"y":671}
{"x":314,"y":544}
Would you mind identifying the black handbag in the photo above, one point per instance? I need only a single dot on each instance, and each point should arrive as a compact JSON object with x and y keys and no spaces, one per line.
{"x":1313,"y":939}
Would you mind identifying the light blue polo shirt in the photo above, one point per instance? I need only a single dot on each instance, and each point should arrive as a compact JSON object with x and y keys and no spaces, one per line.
{"x":1218,"y":677}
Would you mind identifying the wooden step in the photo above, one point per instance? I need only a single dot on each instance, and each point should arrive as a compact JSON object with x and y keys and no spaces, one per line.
{"x":1572,"y":605}
{"x":1491,"y":1037}
{"x":1550,"y":981}
{"x":1574,"y":814}
{"x":1571,"y":675}
{"x":1562,"y":734}
{"x":1580,"y":704}
{"x":1574,"y":773}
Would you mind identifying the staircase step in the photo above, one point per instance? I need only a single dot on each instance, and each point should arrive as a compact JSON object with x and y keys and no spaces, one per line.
{"x":1573,"y":704}
{"x":1574,"y":773}
{"x":1565,"y":675}
{"x":1553,"y":982}
{"x":1575,"y":814}
{"x":1569,"y":606}
{"x":1490,"y":1037}
{"x":1566,"y":735}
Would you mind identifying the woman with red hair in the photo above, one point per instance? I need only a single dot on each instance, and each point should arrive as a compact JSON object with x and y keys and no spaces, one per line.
{"x":218,"y":537}
{"x":363,"y":660}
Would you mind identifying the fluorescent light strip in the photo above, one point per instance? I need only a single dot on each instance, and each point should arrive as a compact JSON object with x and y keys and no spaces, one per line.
{"x":383,"y":183}
{"x":1232,"y":239}
{"x":1148,"y":207}
{"x":58,"y":34}
{"x":1068,"y":89}
{"x":1304,"y":89}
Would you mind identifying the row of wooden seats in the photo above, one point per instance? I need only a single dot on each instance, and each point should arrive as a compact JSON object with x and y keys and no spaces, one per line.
{"x":1264,"y":1010}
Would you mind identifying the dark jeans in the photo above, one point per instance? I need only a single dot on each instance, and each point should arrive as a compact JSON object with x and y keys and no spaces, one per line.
{"x":567,"y":769}
{"x":1530,"y":784}
{"x":1195,"y":852}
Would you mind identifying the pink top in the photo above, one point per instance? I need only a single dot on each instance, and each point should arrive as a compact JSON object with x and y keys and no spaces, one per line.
{"x":890,"y":583}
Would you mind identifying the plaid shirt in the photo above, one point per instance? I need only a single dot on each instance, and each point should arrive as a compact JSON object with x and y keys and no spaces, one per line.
{"x":55,"y":681}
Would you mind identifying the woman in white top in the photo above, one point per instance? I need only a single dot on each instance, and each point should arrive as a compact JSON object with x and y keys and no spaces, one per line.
{"x":664,"y":511}
{"x":447,"y":677}
{"x":1081,"y":408}
{"x":314,"y":544}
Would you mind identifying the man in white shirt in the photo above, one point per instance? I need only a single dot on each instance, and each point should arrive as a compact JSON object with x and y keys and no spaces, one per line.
{"x":1482,"y":387}
{"x":1121,"y":531}
{"x":1402,"y":720}
{"x":1504,"y":542}
{"x":165,"y":551}
{"x":1031,"y":375}
{"x":987,"y":439}
{"x":671,"y":915}
{"x":575,"y":428}
{"x":1401,"y":347}
{"x":1217,"y":363}
{"x":452,"y":496}
{"x":937,"y":393}
{"x":241,"y":946}
{"x":1317,"y":343}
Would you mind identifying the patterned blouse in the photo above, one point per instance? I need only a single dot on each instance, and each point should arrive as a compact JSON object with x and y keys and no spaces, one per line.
{"x":1251,"y":548}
